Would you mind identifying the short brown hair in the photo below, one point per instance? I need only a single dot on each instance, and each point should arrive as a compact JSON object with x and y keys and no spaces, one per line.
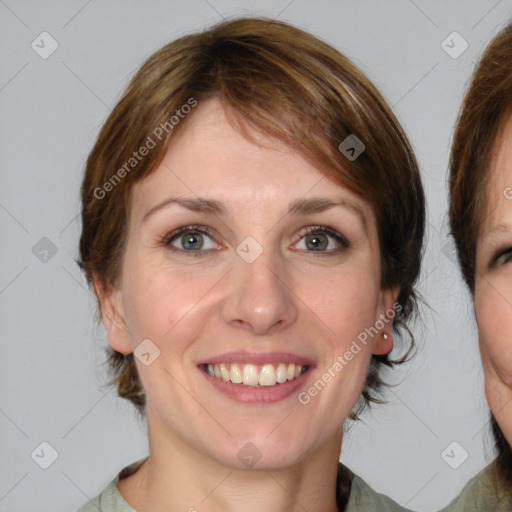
{"x":486,"y":107}
{"x":289,"y":85}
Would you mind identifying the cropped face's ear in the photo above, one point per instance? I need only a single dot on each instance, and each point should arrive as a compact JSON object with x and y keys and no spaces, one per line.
{"x":383,"y":342}
{"x":113,"y":315}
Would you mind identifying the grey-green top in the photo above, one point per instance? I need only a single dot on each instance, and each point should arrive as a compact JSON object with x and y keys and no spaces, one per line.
{"x":481,"y":494}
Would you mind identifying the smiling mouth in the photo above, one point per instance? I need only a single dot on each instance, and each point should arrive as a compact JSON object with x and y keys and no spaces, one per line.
{"x":255,"y":375}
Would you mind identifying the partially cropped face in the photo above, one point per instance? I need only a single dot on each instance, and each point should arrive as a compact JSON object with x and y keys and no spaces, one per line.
{"x":493,"y":285}
{"x":251,"y":276}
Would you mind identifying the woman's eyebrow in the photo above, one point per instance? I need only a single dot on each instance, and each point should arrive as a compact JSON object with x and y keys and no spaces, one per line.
{"x":296,"y":207}
{"x":498,"y":230}
{"x":320,"y":204}
{"x":199,"y":204}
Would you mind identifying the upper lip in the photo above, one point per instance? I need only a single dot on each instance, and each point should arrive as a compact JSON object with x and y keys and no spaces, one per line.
{"x":257,"y":358}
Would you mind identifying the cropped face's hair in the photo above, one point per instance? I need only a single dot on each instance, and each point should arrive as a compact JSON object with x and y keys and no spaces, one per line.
{"x":486,"y":107}
{"x":288,"y":85}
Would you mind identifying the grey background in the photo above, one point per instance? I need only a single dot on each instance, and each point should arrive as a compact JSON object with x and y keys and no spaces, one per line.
{"x":51,"y":366}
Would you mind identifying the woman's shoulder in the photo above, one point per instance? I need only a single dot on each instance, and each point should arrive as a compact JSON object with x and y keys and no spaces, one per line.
{"x":363,"y":498}
{"x":481,"y":493}
{"x":110,"y":499}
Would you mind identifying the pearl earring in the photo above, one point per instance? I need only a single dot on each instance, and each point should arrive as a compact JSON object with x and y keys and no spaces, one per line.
{"x":385,"y":336}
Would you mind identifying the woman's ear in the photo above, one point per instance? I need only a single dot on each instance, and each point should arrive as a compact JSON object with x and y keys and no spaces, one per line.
{"x":383,"y":341}
{"x":113,"y":315}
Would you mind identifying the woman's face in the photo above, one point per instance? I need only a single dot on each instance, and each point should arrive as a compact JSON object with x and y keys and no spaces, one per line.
{"x":281,"y":266}
{"x":493,"y":285}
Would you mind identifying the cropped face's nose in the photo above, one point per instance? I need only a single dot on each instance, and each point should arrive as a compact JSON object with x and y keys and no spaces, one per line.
{"x":259,"y":298}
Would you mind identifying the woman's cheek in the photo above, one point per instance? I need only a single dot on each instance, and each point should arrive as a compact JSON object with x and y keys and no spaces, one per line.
{"x":494,"y":320}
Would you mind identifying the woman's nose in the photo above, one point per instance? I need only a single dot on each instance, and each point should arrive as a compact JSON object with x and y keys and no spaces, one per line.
{"x":259,"y":294}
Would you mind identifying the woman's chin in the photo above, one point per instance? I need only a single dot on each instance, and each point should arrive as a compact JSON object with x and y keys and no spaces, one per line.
{"x":258,"y":454}
{"x":250,"y":458}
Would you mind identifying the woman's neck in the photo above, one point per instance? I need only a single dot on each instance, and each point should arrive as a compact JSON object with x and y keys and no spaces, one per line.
{"x":177,"y":477}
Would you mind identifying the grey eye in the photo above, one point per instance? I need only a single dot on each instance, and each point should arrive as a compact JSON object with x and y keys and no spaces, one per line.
{"x":192,"y":241}
{"x":502,"y":256}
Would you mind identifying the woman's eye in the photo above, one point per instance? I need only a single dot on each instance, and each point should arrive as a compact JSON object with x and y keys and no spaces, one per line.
{"x":323,"y":239}
{"x":198,"y":240}
{"x":502,"y":257}
{"x":190,"y":240}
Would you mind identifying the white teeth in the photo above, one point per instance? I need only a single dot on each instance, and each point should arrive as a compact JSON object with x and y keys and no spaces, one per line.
{"x":250,"y":375}
{"x":267,"y":375}
{"x":224,"y":372}
{"x":253,"y":375}
{"x":281,"y":373}
{"x":235,"y":375}
{"x":291,"y":371}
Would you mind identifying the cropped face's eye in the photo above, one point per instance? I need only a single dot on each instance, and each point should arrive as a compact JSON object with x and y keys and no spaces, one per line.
{"x":199,"y":241}
{"x":322,"y":240}
{"x":192,"y":240}
{"x":501,"y":257}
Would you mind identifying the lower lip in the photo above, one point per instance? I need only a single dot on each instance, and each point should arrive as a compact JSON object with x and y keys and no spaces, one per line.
{"x":260,"y":394}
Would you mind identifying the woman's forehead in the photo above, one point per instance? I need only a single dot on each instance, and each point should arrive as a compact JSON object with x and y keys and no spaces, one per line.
{"x":210,"y":158}
{"x":501,"y":152}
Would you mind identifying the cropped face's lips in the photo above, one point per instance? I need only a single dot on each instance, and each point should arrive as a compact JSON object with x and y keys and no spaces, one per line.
{"x":257,"y":358}
{"x":256,"y":377}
